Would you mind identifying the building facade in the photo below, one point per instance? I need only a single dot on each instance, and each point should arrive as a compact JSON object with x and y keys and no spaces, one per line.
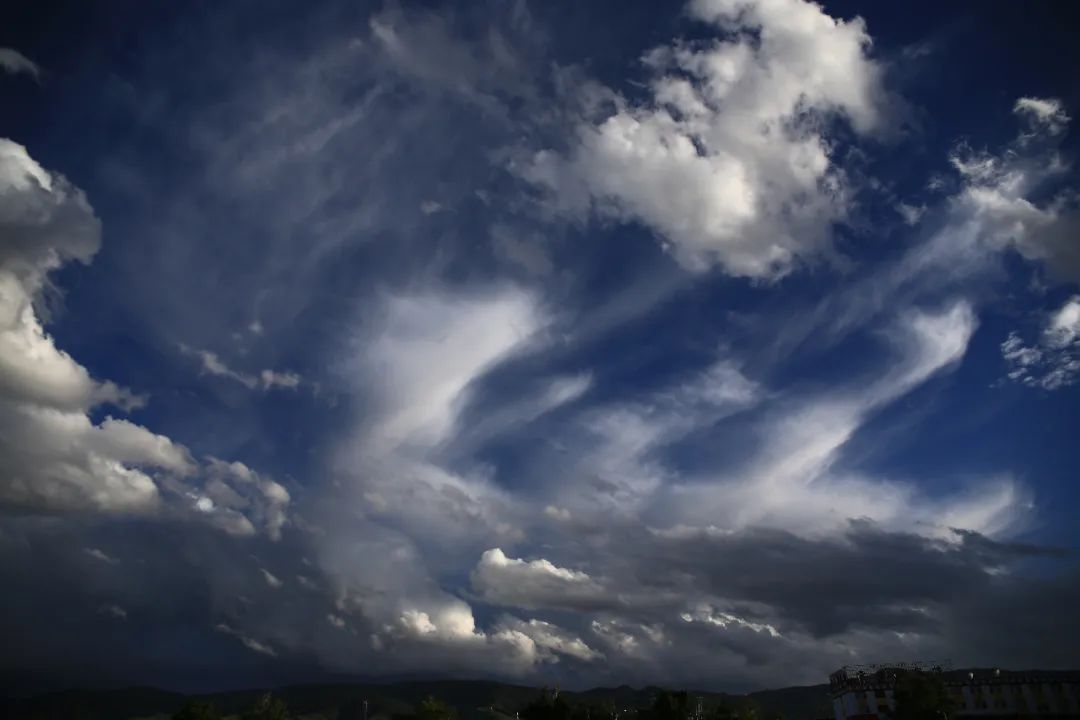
{"x":866,"y":692}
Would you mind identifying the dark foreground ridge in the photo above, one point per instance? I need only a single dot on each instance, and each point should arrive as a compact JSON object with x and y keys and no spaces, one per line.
{"x":472,"y":700}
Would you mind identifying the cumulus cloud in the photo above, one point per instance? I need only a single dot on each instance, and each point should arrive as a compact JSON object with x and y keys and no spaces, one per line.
{"x":550,"y":641}
{"x":727,"y":160}
{"x":532,"y":584}
{"x":1053,"y":360}
{"x":239,"y":500}
{"x":53,"y":456}
{"x":1006,"y":193}
{"x":14,"y":62}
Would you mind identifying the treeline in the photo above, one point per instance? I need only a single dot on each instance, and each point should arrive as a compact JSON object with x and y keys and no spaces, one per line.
{"x":548,"y":705}
{"x":666,"y":705}
{"x":267,"y":707}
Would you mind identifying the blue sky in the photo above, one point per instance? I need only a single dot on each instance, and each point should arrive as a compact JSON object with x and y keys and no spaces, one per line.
{"x":716,"y":344}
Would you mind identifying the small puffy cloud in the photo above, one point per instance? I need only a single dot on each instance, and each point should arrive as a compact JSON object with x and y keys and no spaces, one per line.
{"x":239,"y":500}
{"x":1005,"y":194}
{"x":249,"y":642}
{"x":336,"y":620}
{"x":100,"y":555}
{"x":557,"y":513}
{"x":727,"y":159}
{"x":1063,"y":330}
{"x":1047,"y":113}
{"x":712,"y":616}
{"x":271,"y":379}
{"x":1053,"y":360}
{"x":549,"y":640}
{"x":115,"y":611}
{"x":14,"y":62}
{"x":212,"y":364}
{"x":532,"y":584}
{"x":911,"y":214}
{"x":443,"y":619}
{"x":271,"y":579}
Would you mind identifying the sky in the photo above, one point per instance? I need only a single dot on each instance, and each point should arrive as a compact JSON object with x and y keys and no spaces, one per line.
{"x":715,"y":344}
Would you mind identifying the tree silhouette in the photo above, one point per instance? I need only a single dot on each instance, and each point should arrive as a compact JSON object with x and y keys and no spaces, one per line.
{"x":434,"y":709}
{"x":548,"y":706}
{"x":668,"y":705}
{"x":197,"y":710}
{"x":267,"y":707}
{"x":921,"y":696}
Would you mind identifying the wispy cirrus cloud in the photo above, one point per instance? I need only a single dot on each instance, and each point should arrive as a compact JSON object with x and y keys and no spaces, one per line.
{"x":14,"y":62}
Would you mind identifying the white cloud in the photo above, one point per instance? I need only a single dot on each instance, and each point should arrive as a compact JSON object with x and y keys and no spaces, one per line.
{"x":266,"y":380}
{"x":911,"y":214}
{"x":999,"y":193}
{"x":549,"y":640}
{"x":271,"y":379}
{"x":557,"y":513}
{"x":727,"y":161}
{"x":271,"y":579}
{"x":791,"y":481}
{"x":237,"y":499}
{"x":429,"y":348}
{"x":248,"y":642}
{"x":510,"y":415}
{"x":712,"y":616}
{"x":115,"y":611}
{"x":14,"y":62}
{"x":336,"y":621}
{"x":100,"y":555}
{"x":533,"y":584}
{"x":1063,"y":329}
{"x":53,"y":457}
{"x":1048,"y":113}
{"x":618,"y":442}
{"x":1053,"y":362}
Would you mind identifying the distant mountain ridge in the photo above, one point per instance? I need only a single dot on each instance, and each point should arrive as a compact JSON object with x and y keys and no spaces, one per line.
{"x":473,"y":699}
